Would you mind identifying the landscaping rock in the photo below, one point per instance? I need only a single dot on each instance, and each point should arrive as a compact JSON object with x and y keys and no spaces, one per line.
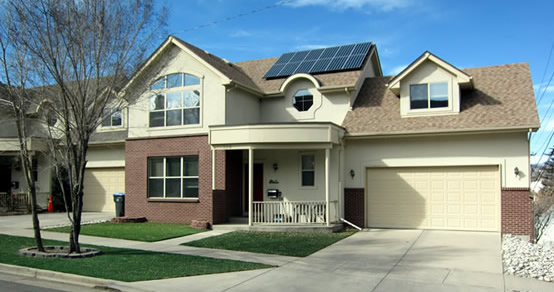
{"x":59,"y":252}
{"x":200,"y":224}
{"x":129,"y":219}
{"x":528,"y":260}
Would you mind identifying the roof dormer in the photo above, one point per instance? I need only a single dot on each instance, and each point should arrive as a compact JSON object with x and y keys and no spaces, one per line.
{"x":429,"y":86}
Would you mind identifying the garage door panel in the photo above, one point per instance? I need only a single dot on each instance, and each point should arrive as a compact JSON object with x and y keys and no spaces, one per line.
{"x":100,"y":184}
{"x":459,"y":198}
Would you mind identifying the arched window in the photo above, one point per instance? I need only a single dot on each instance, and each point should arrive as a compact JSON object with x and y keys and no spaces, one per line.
{"x":175,"y":100}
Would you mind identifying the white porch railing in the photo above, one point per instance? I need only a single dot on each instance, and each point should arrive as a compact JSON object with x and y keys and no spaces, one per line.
{"x":292,"y":212}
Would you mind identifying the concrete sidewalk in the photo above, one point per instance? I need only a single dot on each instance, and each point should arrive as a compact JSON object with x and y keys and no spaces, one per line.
{"x":376,"y":260}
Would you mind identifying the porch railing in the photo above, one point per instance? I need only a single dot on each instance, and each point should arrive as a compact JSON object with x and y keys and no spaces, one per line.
{"x":13,"y":201}
{"x":292,"y":212}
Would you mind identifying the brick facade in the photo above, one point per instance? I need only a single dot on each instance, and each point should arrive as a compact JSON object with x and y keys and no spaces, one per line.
{"x":177,"y":211}
{"x":354,"y":206}
{"x":517,"y":212}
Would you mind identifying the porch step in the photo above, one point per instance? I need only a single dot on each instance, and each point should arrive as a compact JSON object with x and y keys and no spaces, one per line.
{"x":238,"y":220}
{"x":280,"y":228}
{"x":229,"y":226}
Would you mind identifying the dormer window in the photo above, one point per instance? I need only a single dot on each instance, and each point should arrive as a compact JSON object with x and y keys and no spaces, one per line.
{"x":112,"y":118}
{"x":176,"y":101}
{"x":303,"y":100}
{"x":429,"y":95}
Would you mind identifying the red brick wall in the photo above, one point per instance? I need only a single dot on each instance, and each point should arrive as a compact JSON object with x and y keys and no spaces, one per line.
{"x":354,"y":206}
{"x":136,"y":199}
{"x":517,"y":212}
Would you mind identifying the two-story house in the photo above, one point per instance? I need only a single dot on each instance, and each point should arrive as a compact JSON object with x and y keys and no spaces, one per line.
{"x":314,"y":136}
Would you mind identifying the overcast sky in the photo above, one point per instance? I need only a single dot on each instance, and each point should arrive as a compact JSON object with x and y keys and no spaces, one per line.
{"x":464,"y":33}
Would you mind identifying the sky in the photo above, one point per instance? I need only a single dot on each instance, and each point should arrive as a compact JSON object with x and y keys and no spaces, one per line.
{"x":464,"y":33}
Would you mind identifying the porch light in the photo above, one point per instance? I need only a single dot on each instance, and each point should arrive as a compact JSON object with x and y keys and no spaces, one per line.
{"x":275,"y":166}
{"x":516,"y":171}
{"x":352,"y":173}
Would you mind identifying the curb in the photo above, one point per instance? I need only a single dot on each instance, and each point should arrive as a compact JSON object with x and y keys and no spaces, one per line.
{"x":68,"y":278}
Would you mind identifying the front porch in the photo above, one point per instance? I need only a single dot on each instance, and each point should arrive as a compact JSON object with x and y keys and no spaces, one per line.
{"x":290,"y":174}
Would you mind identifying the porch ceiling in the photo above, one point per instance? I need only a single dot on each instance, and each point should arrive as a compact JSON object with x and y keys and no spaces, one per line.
{"x":296,"y":135}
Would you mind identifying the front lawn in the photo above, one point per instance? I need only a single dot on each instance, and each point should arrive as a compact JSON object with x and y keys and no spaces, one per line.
{"x":282,"y":243}
{"x":147,"y":231}
{"x":120,"y":264}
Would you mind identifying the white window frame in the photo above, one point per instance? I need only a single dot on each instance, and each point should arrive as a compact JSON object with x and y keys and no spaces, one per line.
{"x":165,"y":177}
{"x":181,"y":89}
{"x":429,"y":108}
{"x":294,"y":100}
{"x":302,"y":170}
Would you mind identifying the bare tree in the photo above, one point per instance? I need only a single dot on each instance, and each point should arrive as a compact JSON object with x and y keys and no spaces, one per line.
{"x":16,"y":75}
{"x":85,"y":49}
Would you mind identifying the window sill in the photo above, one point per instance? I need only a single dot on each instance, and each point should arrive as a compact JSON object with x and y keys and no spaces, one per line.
{"x":174,"y":200}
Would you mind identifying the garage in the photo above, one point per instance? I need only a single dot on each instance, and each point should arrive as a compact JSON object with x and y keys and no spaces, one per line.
{"x":100,"y":184}
{"x":452,"y":198}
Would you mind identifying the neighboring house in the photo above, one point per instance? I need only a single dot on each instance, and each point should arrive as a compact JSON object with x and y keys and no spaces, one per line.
{"x":12,"y":178}
{"x":434,"y":147}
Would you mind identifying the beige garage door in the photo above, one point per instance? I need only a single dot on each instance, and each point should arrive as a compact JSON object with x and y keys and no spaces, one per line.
{"x":100,"y":184}
{"x":455,"y":198}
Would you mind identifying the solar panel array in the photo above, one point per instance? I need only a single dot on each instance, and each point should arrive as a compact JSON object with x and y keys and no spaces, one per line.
{"x":332,"y":59}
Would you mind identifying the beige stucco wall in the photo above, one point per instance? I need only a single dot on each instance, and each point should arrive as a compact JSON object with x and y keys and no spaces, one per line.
{"x":508,"y":150}
{"x":289,"y":177}
{"x":330,"y":107}
{"x":429,"y":72}
{"x":109,"y":155}
{"x":242,"y":107}
{"x":212,"y":99}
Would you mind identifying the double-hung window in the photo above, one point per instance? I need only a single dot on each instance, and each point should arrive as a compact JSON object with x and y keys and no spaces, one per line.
{"x":173,"y":177}
{"x":307,"y":162}
{"x":429,"y":95}
{"x":175,"y":101}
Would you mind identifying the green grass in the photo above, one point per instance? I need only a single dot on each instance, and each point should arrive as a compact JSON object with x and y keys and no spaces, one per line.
{"x":282,"y":243}
{"x":147,"y":231}
{"x":120,"y":264}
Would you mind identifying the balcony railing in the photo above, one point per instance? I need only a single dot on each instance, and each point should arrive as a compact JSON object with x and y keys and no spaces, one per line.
{"x":293,"y":212}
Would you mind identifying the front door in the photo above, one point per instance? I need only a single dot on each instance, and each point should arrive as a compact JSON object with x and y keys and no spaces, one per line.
{"x":258,"y":187}
{"x":5,"y":178}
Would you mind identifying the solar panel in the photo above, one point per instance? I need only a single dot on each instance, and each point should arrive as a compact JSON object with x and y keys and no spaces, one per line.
{"x":336,"y":64}
{"x":332,"y":59}
{"x":284,"y":58}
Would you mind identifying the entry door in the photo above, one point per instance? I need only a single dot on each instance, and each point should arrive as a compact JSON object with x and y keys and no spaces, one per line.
{"x":5,"y":179}
{"x":258,"y":187}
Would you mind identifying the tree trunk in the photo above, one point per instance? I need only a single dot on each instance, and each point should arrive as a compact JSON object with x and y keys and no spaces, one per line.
{"x":76,"y":224}
{"x":36,"y":223}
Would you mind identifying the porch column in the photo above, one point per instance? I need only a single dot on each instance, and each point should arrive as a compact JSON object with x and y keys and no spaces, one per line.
{"x":213,"y":168}
{"x":327,"y":153}
{"x":250,"y":184}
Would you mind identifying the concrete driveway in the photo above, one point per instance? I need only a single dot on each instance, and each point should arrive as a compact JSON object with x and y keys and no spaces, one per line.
{"x":395,"y":260}
{"x":378,"y":260}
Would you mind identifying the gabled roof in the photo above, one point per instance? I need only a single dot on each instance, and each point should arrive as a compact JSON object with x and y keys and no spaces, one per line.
{"x":231,"y":71}
{"x":464,"y":79}
{"x":502,"y":98}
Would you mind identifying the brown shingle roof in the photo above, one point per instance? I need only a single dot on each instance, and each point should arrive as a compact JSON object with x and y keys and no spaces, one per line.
{"x":502,"y":97}
{"x":256,"y":69}
{"x":230,"y":70}
{"x":250,"y":73}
